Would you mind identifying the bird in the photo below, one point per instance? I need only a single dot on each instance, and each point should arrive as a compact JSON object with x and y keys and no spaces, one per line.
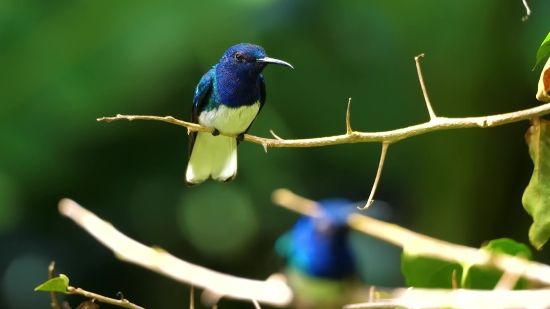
{"x":322,"y":265}
{"x":227,"y":100}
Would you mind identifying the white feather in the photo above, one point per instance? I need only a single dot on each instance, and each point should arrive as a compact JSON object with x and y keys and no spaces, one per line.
{"x":216,"y":156}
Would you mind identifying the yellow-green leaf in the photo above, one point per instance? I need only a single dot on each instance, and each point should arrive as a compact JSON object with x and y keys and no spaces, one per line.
{"x":543,"y":50}
{"x":536,"y":198}
{"x":58,"y":284}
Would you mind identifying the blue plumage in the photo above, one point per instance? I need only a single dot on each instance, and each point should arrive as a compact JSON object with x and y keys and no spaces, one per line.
{"x":318,"y":246}
{"x":227,"y":99}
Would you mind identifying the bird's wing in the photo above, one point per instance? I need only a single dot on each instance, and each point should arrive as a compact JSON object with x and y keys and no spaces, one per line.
{"x":200,"y":99}
{"x":262,"y":102}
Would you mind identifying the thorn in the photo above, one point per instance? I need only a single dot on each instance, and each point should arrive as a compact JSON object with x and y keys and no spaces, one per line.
{"x":348,"y":123}
{"x":378,"y":173}
{"x":275,"y":135}
{"x":265,"y":147}
{"x":421,"y":79}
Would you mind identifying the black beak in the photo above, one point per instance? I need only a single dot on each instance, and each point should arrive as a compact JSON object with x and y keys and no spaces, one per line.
{"x":274,"y":61}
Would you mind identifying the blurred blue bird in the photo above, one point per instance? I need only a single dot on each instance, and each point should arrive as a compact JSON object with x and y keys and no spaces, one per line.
{"x":227,"y":99}
{"x":323,"y":267}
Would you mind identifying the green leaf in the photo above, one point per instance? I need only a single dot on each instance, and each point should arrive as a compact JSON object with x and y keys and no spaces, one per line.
{"x":536,"y":198}
{"x":58,"y":284}
{"x":543,"y":50}
{"x":425,"y":272}
{"x":486,"y":278}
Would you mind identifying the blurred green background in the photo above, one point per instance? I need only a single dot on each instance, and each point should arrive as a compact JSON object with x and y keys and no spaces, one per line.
{"x":65,"y":63}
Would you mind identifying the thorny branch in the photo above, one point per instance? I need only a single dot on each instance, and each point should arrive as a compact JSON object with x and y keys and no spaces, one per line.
{"x":388,"y":137}
{"x":271,"y":291}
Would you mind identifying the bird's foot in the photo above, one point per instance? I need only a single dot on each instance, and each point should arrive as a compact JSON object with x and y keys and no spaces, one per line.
{"x":240,"y":137}
{"x":215,"y":132}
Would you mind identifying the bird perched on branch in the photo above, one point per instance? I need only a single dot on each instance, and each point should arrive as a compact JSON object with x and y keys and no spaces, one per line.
{"x":227,"y":100}
{"x":323,"y":265}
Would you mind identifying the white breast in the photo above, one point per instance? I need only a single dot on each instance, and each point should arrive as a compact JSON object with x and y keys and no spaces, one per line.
{"x":230,"y":120}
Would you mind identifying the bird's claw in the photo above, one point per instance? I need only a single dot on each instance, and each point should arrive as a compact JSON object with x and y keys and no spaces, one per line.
{"x":240,"y":137}
{"x":215,"y":132}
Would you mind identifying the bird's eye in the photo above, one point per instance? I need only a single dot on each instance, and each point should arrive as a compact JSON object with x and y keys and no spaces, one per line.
{"x":239,"y":57}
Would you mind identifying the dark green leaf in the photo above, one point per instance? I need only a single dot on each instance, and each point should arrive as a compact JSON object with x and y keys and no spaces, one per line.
{"x":543,"y":50}
{"x":58,"y":284}
{"x":536,"y":198}
{"x":424,"y":272}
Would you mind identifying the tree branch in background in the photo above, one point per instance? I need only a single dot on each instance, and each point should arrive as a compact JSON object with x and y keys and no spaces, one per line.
{"x":271,"y":291}
{"x":426,"y":246}
{"x":471,"y":299}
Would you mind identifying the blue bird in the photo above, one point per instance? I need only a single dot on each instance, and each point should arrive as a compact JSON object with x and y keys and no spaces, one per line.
{"x":322,"y":265}
{"x":227,"y":99}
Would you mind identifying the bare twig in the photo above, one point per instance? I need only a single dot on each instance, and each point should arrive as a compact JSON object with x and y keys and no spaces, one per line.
{"x":124,"y":303}
{"x":51,"y":275}
{"x":422,"y":245}
{"x":349,"y":131}
{"x":527,"y":9}
{"x":378,"y":173}
{"x":471,"y":299}
{"x":270,"y":292}
{"x":424,"y":91}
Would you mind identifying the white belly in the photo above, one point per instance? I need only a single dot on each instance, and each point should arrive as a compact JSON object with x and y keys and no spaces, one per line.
{"x":230,"y":120}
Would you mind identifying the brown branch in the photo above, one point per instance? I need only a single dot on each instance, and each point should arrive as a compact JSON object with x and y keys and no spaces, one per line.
{"x":418,"y":244}
{"x":378,"y":173}
{"x":124,"y":303}
{"x":438,"y":124}
{"x":272,"y":292}
{"x":424,"y":91}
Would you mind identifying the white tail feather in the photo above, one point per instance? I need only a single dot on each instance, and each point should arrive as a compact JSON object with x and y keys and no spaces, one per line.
{"x":212,"y":156}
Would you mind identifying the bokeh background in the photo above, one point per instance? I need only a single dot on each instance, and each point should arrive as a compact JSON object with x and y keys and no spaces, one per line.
{"x":65,"y":63}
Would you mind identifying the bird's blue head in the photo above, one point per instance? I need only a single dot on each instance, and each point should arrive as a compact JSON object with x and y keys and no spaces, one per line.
{"x":247,"y":61}
{"x":318,"y":246}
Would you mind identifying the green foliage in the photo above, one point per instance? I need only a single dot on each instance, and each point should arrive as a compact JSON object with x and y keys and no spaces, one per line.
{"x":543,"y":50}
{"x":58,"y":284}
{"x":424,"y":272}
{"x":485,"y":278}
{"x":536,"y":198}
